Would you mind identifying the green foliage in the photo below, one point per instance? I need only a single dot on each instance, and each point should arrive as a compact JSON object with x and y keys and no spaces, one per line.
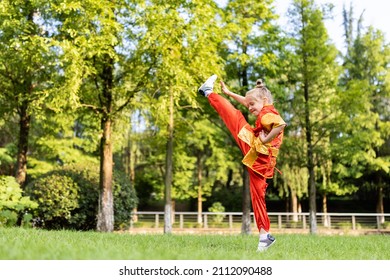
{"x":6,"y":161}
{"x":12,"y":202}
{"x":87,"y":179}
{"x":55,"y":57}
{"x":294,"y":181}
{"x":313,"y":76}
{"x":230,"y":194}
{"x":361,"y":141}
{"x":56,"y":196}
{"x":125,"y":200}
{"x":38,"y":168}
{"x":68,"y":198}
{"x":5,"y":157}
{"x":217,"y":207}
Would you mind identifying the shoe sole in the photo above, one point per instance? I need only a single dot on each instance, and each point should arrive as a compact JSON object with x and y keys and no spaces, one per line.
{"x":199,"y":89}
{"x":265,"y":248}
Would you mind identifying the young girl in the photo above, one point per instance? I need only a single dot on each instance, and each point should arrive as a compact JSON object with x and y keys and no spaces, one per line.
{"x":259,"y":145}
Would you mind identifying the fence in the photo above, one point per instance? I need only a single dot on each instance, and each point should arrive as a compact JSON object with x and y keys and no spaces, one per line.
{"x":280,"y":221}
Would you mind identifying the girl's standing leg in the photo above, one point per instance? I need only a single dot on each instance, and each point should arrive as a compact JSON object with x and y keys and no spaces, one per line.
{"x":258,"y":187}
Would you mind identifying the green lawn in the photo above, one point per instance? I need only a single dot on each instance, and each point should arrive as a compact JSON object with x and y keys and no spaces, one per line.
{"x":32,"y":244}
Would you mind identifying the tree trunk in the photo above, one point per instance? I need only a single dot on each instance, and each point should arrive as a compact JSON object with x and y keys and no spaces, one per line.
{"x":312,"y":202}
{"x":325,"y":219}
{"x":294,"y":205}
{"x":129,"y":161}
{"x":199,"y":167}
{"x":24,"y":129}
{"x":24,"y":122}
{"x":379,"y":205}
{"x":105,"y":221}
{"x":246,"y":196}
{"x":168,"y":172}
{"x":246,"y":205}
{"x":310,"y":162}
{"x":229,"y":178}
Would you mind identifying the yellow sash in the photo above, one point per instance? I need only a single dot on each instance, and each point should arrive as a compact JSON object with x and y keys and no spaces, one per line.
{"x":256,"y":145}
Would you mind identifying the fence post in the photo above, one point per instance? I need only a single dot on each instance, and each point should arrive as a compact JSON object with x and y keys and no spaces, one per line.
{"x":205,"y":221}
{"x":279,"y":221}
{"x":304,"y":221}
{"x":353,"y":222}
{"x":181,"y":221}
{"x":230,"y":221}
{"x":156,"y":220}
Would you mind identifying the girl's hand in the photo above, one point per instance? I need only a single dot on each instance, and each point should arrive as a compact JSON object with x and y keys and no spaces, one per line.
{"x":267,"y":137}
{"x":263,"y":136}
{"x":224,"y":88}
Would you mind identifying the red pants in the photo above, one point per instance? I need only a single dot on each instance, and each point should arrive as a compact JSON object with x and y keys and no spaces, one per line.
{"x":235,"y":121}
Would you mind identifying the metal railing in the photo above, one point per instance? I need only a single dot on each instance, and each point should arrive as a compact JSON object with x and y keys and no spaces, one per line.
{"x":231,"y":221}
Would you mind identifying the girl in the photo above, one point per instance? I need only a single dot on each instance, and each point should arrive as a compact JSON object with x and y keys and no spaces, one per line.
{"x":259,"y":145}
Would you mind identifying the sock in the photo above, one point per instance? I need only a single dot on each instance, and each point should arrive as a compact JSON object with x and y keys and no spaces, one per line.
{"x":263,"y":236}
{"x":207,"y":93}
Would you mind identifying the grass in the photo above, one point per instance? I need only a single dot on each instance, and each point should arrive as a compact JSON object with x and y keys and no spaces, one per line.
{"x":33,"y":244}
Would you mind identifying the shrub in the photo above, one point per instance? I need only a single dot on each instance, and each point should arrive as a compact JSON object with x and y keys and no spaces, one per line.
{"x":125,"y":200}
{"x":12,"y":204}
{"x":87,"y":178}
{"x":216,"y":208}
{"x":56,"y":195}
{"x":80,"y":194}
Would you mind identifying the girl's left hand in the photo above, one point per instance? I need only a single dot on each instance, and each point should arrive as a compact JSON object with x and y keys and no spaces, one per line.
{"x":263,"y":136}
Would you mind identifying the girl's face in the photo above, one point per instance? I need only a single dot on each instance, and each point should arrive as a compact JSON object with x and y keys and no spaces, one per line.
{"x":254,"y":105}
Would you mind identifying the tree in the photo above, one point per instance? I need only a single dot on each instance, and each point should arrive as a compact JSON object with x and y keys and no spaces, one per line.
{"x":28,"y":62}
{"x":365,"y":99}
{"x":107,"y":72}
{"x":315,"y":80}
{"x":184,"y":45}
{"x":245,"y":24}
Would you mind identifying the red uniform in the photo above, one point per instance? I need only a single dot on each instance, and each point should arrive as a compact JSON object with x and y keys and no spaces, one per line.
{"x":259,"y":158}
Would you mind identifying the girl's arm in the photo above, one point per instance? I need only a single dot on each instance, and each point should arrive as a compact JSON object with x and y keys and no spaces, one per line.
{"x":266,"y":138}
{"x":237,"y":97}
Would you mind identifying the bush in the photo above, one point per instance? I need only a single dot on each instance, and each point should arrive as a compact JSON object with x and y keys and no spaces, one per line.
{"x":78,"y":188}
{"x":125,"y":200}
{"x":57,"y":196}
{"x":87,"y":178}
{"x":12,"y":204}
{"x":216,"y":208}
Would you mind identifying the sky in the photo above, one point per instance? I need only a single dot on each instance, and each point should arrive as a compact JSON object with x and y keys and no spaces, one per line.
{"x":376,"y":13}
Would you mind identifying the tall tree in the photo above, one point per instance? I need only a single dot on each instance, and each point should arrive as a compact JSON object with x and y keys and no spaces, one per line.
{"x":245,"y":24}
{"x":184,"y":45}
{"x":315,"y":84}
{"x":28,"y":60}
{"x":365,"y":103}
{"x":107,"y":70}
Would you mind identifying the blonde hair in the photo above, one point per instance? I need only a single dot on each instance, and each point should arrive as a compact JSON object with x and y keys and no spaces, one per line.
{"x":261,"y":91}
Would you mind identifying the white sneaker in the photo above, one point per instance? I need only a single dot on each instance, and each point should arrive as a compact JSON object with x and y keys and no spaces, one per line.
{"x":264,"y":244}
{"x":208,"y":86}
